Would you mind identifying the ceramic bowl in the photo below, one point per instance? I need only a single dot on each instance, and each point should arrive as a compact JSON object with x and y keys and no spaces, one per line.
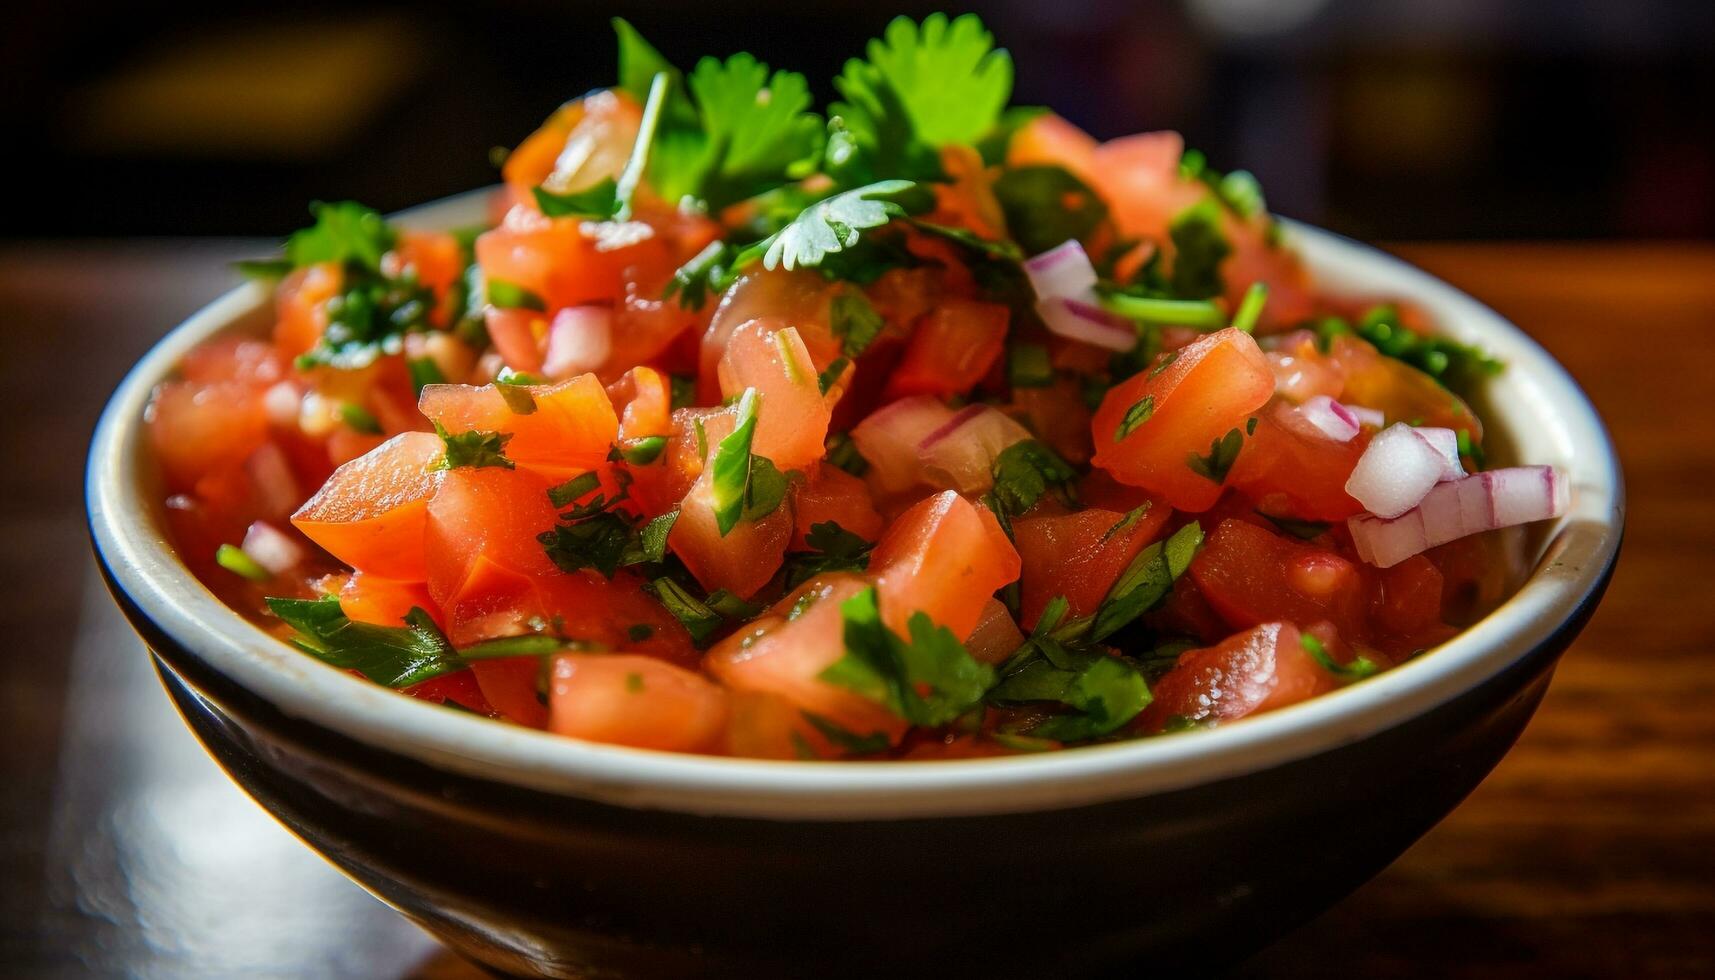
{"x":542,"y":856}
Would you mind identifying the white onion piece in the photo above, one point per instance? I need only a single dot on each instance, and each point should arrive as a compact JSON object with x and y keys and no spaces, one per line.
{"x":1396,"y":470}
{"x":1076,"y":318}
{"x":960,"y":454}
{"x":271,"y":474}
{"x":1457,"y":508}
{"x":1371,"y":417}
{"x":889,"y":437}
{"x":1328,"y":418}
{"x":1446,"y":442}
{"x":272,"y":548}
{"x":280,"y":404}
{"x":1064,"y":270}
{"x":579,"y":341}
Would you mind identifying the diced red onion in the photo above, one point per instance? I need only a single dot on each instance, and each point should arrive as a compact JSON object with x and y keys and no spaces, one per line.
{"x":579,"y":341}
{"x":272,"y":548}
{"x":889,"y":437}
{"x":1328,"y":418}
{"x":1446,"y":442}
{"x":960,"y":454}
{"x":1457,"y":508}
{"x":1062,"y":271}
{"x":1081,"y":320}
{"x":276,"y":486}
{"x":1397,"y":468}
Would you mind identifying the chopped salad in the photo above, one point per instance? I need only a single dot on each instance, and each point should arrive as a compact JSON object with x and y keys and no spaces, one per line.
{"x":922,"y":426}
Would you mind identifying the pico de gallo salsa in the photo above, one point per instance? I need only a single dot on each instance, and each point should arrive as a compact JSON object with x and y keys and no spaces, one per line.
{"x":925,"y":426}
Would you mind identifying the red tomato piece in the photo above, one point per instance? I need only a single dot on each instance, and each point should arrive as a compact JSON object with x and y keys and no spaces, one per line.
{"x":996,"y":636}
{"x":832,"y":494}
{"x":1408,"y":597}
{"x":644,"y":402}
{"x":1196,"y":396}
{"x":1289,"y":474}
{"x":583,"y":141}
{"x":372,"y":512}
{"x":740,"y":561}
{"x":945,"y":556}
{"x":1261,"y":669}
{"x":367,"y":598}
{"x":253,"y":362}
{"x":481,"y":537}
{"x":568,"y":431}
{"x":784,"y":651}
{"x":567,"y":261}
{"x":1078,"y":556}
{"x":197,"y":428}
{"x":511,"y":685}
{"x":459,"y":687}
{"x":624,"y":699}
{"x":519,"y":335}
{"x":951,"y":349}
{"x":300,"y":306}
{"x":792,"y":422}
{"x":1249,"y":576}
{"x":800,"y":298}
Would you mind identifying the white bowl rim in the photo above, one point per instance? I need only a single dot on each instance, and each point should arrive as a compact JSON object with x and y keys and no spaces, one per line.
{"x":1536,"y":401}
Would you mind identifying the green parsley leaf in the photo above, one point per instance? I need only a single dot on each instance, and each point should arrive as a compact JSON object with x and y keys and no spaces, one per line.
{"x":1102,"y":691}
{"x":1223,"y":452}
{"x":1456,"y":365}
{"x":1199,"y":246}
{"x":388,"y":655}
{"x":855,"y":322}
{"x":832,"y":549}
{"x":831,"y":376}
{"x":701,"y":619}
{"x":927,"y":679}
{"x":696,"y":279}
{"x":597,"y":542}
{"x":1046,"y":206}
{"x":1139,"y":413}
{"x":424,"y":372}
{"x":845,"y":739}
{"x":359,"y":419}
{"x":475,"y":449}
{"x":843,"y":452}
{"x":344,"y":232}
{"x":765,"y":491}
{"x":237,"y":561}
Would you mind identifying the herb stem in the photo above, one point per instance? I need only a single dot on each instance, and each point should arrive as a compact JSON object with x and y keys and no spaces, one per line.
{"x":632,"y":175}
{"x":1175,"y":312}
{"x":1250,"y":308}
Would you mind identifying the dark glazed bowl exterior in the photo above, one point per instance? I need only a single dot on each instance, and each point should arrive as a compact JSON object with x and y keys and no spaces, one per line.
{"x":540,"y":856}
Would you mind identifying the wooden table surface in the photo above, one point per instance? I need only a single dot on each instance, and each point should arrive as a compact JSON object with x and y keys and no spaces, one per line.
{"x":1590,"y":852}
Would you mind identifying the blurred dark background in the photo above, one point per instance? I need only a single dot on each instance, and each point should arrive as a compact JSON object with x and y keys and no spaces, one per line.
{"x":1380,"y":118}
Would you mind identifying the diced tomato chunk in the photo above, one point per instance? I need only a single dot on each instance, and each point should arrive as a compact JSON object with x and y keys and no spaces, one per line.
{"x":300,"y":304}
{"x":832,"y":494}
{"x":368,"y":598}
{"x":740,"y":561}
{"x":1396,"y":389}
{"x":1079,"y":556}
{"x":372,"y":512}
{"x":1408,"y":597}
{"x":784,"y":652}
{"x":800,"y":299}
{"x":945,"y":556}
{"x":644,"y":402}
{"x":244,"y":359}
{"x":459,"y":687}
{"x":567,"y":429}
{"x":1261,"y":669}
{"x":626,"y":699}
{"x":519,"y":335}
{"x":996,"y":636}
{"x":566,"y":261}
{"x":511,"y":685}
{"x":1192,"y":399}
{"x":1289,"y":474}
{"x":951,"y":349}
{"x":481,"y":538}
{"x":434,"y":257}
{"x":1250,"y":576}
{"x":583,"y":141}
{"x":792,"y":422}
{"x":197,"y":428}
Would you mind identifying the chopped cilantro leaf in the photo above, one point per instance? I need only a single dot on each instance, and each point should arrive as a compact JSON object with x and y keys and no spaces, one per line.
{"x":1028,"y":366}
{"x":424,"y":372}
{"x":1045,"y":206}
{"x":833,"y":225}
{"x":1359,"y":668}
{"x":359,"y":419}
{"x":642,"y":452}
{"x":732,"y":465}
{"x":599,"y":200}
{"x":1161,"y":310}
{"x":1024,"y":471}
{"x":843,"y":452}
{"x":388,"y":655}
{"x":1302,"y":530}
{"x":701,"y":619}
{"x":927,"y":678}
{"x":345,"y":232}
{"x":598,"y":542}
{"x":508,"y":296}
{"x":830,"y":377}
{"x":475,"y":449}
{"x":855,"y":322}
{"x":832,"y":549}
{"x":845,"y":739}
{"x":576,"y":488}
{"x":1456,"y":365}
{"x":704,"y":273}
{"x":1250,"y":308}
{"x":1139,"y":413}
{"x":1199,"y":246}
{"x":1146,"y":582}
{"x":1223,"y":452}
{"x":1101,"y":691}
